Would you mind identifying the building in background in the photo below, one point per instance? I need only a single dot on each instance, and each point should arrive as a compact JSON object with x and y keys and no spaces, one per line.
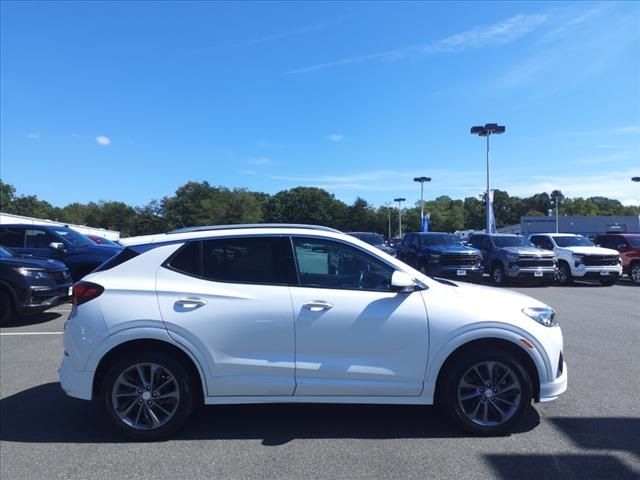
{"x":7,"y":218}
{"x":587,"y":226}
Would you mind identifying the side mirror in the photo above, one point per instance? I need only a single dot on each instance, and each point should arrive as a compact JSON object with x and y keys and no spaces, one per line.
{"x":58,"y":246}
{"x":402,"y":282}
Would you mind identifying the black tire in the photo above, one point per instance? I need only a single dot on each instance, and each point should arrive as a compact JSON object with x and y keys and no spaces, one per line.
{"x":634,"y":272}
{"x":7,"y":309}
{"x":498,"y":276}
{"x":183,"y":408}
{"x":448,"y":398}
{"x":564,"y":276}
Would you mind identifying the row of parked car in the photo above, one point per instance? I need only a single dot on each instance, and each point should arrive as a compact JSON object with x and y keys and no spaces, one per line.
{"x":40,"y":263}
{"x":544,"y":258}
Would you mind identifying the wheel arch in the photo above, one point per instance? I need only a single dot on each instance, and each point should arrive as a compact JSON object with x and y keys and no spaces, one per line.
{"x":156,"y":345}
{"x":490,"y":344}
{"x":7,"y":287}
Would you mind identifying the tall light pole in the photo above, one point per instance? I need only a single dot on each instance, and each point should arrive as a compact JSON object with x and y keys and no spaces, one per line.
{"x":486,"y":131}
{"x":422,"y":180}
{"x":388,"y":205}
{"x":635,"y":179}
{"x":399,"y":200}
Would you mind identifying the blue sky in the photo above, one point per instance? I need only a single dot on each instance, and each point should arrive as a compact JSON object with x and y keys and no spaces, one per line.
{"x":127,"y":101}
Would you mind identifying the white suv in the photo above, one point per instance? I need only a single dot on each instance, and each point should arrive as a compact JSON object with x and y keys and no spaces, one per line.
{"x":578,"y":257}
{"x":263,"y":314}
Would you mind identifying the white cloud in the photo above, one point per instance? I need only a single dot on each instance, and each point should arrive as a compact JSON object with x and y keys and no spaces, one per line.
{"x":629,"y":129}
{"x":33,"y":135}
{"x":335,"y":137}
{"x":500,"y":33}
{"x":103,"y":141}
{"x":260,"y":161}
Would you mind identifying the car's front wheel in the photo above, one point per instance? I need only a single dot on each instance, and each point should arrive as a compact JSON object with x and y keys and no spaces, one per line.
{"x":7,"y":310}
{"x":564,"y":276}
{"x":634,"y":273}
{"x":148,"y":395}
{"x":498,"y":276}
{"x":486,"y":393}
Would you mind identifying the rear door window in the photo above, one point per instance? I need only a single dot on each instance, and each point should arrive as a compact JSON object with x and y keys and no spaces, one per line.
{"x":12,"y":237}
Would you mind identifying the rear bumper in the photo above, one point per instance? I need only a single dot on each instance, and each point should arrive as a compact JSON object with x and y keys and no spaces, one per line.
{"x":551,"y":390}
{"x":74,"y":383}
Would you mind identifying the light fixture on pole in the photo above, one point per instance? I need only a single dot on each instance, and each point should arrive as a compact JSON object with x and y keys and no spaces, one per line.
{"x":635,"y":179}
{"x":422,"y":180}
{"x":399,"y":200}
{"x":486,"y":131}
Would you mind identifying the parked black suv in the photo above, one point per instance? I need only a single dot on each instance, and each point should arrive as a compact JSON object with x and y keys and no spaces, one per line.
{"x":441,"y":255}
{"x":374,"y":239}
{"x":62,"y":243}
{"x":30,"y":285}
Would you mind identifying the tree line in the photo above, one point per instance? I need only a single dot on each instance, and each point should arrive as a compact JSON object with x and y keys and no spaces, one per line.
{"x":200,"y":203}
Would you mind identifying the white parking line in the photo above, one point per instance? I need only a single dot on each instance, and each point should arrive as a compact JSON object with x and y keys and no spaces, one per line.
{"x":7,"y":334}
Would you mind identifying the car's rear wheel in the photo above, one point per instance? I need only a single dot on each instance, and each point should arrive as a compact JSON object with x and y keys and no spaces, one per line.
{"x":148,"y":395}
{"x":564,"y":276}
{"x":7,"y":309}
{"x":487,"y":393}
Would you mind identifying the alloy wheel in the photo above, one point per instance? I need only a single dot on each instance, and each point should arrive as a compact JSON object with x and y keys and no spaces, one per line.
{"x":635,"y":273}
{"x":489,"y":393}
{"x":145,"y":396}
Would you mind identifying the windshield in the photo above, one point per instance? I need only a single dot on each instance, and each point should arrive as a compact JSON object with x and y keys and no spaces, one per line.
{"x":73,"y":237}
{"x":370,"y":238}
{"x":577,"y":241}
{"x":4,"y":253}
{"x":511,"y":242}
{"x":634,"y":241}
{"x":440,"y":240}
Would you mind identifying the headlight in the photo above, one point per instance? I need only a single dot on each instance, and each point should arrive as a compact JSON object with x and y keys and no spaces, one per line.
{"x":543,"y":315}
{"x":434,"y":257}
{"x":512,"y":257}
{"x":35,"y":273}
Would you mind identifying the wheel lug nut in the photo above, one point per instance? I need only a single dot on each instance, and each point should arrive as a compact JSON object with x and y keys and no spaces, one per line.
{"x":148,"y":387}
{"x":140,"y":392}
{"x":148,"y":402}
{"x":155,"y":394}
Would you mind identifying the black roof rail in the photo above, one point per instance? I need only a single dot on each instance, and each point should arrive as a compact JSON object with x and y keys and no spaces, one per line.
{"x":205,"y":228}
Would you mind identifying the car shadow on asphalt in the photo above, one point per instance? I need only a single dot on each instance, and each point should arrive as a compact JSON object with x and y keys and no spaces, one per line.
{"x":26,"y":320}
{"x":45,"y":414}
{"x":587,"y":433}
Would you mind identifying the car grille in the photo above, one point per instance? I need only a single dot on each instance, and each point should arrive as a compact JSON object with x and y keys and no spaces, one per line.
{"x":459,"y":260}
{"x":600,"y":260}
{"x":532,"y":262}
{"x":60,"y":276}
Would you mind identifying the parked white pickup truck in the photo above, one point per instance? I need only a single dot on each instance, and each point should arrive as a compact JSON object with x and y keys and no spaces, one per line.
{"x":579,"y":258}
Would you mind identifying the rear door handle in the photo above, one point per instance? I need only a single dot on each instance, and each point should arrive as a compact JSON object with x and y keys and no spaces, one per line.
{"x":318,"y":306}
{"x":191,"y":302}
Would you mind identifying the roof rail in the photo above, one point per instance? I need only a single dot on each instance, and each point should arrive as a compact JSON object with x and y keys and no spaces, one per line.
{"x":205,"y":228}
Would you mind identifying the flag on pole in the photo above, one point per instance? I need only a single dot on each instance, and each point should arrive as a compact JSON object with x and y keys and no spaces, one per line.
{"x":425,"y":222}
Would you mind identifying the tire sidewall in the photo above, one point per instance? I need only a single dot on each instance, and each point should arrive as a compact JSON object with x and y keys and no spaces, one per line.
{"x":448,"y":400}
{"x":185,"y":383}
{"x":502,"y":280}
{"x":565,"y":268}
{"x":7,"y":311}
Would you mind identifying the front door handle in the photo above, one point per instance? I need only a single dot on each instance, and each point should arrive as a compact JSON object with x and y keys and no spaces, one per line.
{"x":191,"y":302}
{"x":318,"y":306}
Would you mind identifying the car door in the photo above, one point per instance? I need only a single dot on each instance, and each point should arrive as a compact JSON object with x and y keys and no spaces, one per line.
{"x":354,"y":336}
{"x":229,"y":297}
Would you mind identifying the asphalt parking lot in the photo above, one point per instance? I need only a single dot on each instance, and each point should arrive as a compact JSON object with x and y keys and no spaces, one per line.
{"x":592,"y":431}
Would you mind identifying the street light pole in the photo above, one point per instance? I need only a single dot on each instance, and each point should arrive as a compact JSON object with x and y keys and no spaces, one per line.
{"x":399,"y":200}
{"x":422,"y":180}
{"x":556,"y":213}
{"x":388,"y":205}
{"x":486,"y":131}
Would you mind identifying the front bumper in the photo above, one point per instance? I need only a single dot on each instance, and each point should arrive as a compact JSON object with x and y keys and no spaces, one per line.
{"x":551,"y":390}
{"x":74,"y":383}
{"x":37,"y":298}
{"x":594,"y":273}
{"x":540,"y":273}
{"x":457,"y":272}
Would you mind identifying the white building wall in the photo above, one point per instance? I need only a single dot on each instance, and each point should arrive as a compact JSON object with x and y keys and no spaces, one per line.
{"x":7,"y":218}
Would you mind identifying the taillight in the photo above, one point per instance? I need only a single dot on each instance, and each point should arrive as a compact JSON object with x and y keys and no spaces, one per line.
{"x":85,"y":291}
